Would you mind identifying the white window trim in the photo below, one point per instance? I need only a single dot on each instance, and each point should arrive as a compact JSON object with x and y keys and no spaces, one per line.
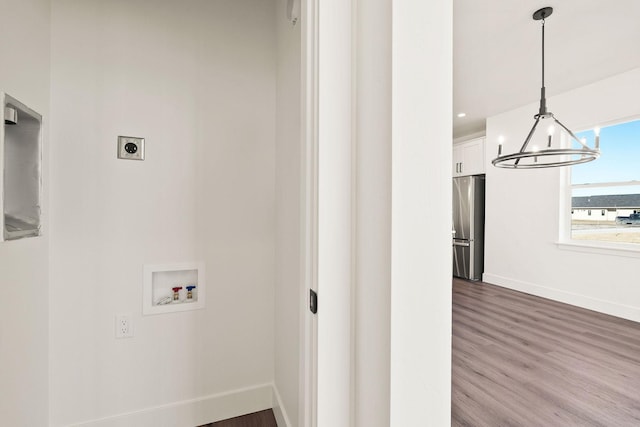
{"x":604,"y":184}
{"x":600,"y":247}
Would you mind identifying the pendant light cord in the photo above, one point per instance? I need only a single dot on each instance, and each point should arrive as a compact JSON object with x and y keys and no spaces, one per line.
{"x":543,"y":98}
{"x":543,"y":52}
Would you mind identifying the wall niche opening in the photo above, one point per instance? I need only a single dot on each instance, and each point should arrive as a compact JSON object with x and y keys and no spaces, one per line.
{"x":21,"y":151}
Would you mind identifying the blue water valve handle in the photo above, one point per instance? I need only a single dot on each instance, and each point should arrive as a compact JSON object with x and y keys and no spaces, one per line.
{"x":189,"y":293}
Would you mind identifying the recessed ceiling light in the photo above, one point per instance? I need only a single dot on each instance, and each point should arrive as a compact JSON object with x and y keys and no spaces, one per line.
{"x":462,"y":115}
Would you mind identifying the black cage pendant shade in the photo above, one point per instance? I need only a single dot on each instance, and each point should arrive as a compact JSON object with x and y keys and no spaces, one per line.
{"x":549,"y":157}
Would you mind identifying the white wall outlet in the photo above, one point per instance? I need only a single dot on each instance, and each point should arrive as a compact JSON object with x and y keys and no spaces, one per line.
{"x":131,"y":148}
{"x":124,"y":326}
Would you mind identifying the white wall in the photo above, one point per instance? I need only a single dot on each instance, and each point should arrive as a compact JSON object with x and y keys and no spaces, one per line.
{"x":384,"y":258}
{"x":523,"y":207}
{"x":421,"y":238}
{"x":288,"y":191}
{"x":372,"y":318}
{"x":335,"y":265}
{"x":24,"y":264}
{"x":197,"y":80}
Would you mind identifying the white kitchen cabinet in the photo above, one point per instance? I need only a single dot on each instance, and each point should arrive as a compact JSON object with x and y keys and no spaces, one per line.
{"x":468,"y":158}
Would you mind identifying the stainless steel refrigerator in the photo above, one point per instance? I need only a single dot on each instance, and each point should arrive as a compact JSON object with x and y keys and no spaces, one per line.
{"x":468,"y":227}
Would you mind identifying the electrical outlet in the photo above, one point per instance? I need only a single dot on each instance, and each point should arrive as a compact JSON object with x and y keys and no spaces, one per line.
{"x":124,"y":326}
{"x":131,"y":148}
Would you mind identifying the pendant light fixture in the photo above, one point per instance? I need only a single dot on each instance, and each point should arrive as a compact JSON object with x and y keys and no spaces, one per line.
{"x":548,"y":157}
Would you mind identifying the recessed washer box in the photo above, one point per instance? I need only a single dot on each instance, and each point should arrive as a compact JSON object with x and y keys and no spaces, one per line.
{"x":21,"y":177}
{"x":159,"y":281}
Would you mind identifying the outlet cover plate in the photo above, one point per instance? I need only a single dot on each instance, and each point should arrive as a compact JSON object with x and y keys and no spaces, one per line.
{"x":124,"y":326}
{"x":130,"y":148}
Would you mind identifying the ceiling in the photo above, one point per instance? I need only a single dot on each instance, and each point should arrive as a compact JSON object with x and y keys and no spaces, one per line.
{"x":497,"y":52}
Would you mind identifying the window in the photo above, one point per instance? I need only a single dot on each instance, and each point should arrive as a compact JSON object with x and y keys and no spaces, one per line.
{"x":610,"y":184}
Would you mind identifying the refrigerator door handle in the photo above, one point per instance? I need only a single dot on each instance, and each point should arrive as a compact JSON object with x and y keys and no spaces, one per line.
{"x":465,"y":244}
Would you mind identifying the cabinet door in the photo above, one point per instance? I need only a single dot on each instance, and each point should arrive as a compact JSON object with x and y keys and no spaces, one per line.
{"x":457,"y":160}
{"x":468,"y":158}
{"x":473,"y":157}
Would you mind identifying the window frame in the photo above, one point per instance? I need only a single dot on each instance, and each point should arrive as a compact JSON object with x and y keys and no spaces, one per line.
{"x":565,"y":240}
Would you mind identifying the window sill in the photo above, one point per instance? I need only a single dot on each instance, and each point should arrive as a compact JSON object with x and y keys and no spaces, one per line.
{"x":615,"y":249}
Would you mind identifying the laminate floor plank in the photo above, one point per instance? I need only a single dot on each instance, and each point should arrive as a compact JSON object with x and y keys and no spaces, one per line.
{"x":502,"y":373}
{"x":520,"y":360}
{"x":563,"y":335}
{"x":603,"y":379}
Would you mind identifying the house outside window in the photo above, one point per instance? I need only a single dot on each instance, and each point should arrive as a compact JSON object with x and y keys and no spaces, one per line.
{"x":610,"y":184}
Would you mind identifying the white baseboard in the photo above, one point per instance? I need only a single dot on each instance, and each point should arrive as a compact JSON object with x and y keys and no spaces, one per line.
{"x":607,"y":307}
{"x":195,"y":412}
{"x":282,"y":419}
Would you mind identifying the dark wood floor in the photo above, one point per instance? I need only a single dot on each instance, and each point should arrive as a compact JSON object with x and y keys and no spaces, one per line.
{"x":257,"y":419}
{"x":519,"y":360}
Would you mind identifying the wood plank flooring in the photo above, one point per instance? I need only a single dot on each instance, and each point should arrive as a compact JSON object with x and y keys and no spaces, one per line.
{"x":257,"y":419}
{"x":520,"y":360}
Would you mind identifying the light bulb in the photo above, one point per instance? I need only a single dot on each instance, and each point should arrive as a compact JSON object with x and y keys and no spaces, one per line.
{"x":500,"y":141}
{"x":596,"y":130}
{"x":550,"y":132}
{"x":535,"y":149}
